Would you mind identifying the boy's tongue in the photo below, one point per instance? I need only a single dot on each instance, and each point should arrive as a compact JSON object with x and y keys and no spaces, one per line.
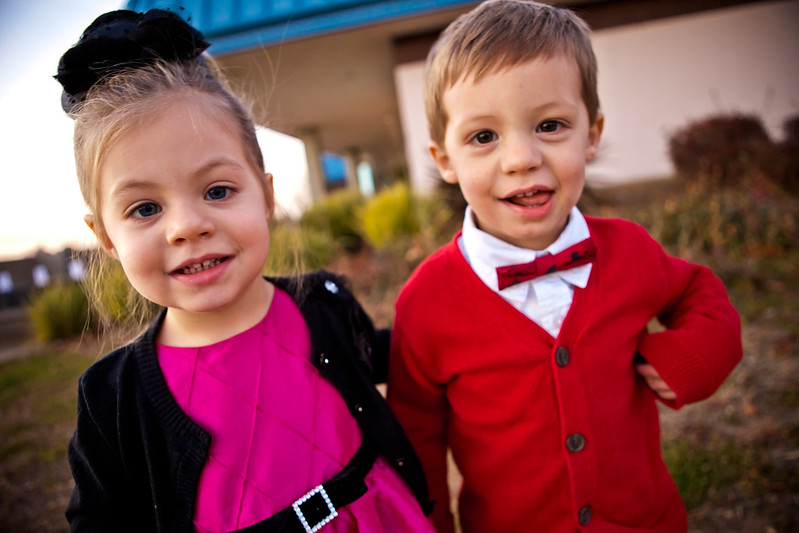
{"x":531,"y":199}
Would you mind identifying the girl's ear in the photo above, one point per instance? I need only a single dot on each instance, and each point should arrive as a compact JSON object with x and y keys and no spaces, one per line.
{"x":102,"y":237}
{"x":442,"y":162}
{"x":269,"y":194}
{"x":594,"y":134}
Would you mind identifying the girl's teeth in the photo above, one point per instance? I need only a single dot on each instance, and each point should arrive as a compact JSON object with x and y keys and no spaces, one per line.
{"x":199,"y":267}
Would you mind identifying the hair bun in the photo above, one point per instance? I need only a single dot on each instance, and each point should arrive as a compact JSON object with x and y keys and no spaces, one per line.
{"x":123,"y":39}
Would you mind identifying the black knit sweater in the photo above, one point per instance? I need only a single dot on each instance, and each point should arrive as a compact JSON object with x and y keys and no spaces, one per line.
{"x":136,"y":456}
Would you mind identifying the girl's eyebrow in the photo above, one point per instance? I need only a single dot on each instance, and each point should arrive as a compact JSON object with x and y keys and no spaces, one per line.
{"x":221,"y":161}
{"x":125,"y":186}
{"x":133,"y":184}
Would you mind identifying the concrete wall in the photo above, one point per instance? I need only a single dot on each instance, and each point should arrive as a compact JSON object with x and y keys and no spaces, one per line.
{"x":658,"y":76}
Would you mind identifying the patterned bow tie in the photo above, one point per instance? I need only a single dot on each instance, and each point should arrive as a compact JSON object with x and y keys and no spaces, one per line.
{"x":580,"y":254}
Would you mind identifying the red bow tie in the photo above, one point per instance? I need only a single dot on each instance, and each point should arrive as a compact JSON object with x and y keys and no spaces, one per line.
{"x":580,"y":254}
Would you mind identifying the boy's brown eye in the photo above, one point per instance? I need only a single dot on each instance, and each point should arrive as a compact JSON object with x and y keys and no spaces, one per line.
{"x":550,"y":126}
{"x":485,"y":137}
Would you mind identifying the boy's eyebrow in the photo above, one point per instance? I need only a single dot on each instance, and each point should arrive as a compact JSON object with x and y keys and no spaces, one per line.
{"x":554,"y":107}
{"x":482,"y":116}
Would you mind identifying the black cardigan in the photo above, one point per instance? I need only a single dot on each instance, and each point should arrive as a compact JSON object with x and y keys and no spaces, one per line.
{"x":136,"y":456}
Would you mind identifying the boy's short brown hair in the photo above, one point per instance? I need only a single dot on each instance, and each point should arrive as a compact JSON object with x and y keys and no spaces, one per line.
{"x":500,"y":34}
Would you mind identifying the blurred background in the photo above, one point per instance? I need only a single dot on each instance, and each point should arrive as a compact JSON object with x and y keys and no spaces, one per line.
{"x":701,"y":146}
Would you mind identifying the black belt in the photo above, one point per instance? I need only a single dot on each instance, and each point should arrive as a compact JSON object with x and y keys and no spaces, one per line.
{"x":319,"y":506}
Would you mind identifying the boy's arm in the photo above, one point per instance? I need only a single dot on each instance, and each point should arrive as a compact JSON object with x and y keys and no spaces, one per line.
{"x":701,"y":343}
{"x":420,"y":405}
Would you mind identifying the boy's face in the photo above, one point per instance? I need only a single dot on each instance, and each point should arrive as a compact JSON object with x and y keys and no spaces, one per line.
{"x":516,"y":143}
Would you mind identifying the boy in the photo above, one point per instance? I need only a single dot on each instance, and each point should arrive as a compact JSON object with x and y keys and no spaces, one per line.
{"x":534,"y":382}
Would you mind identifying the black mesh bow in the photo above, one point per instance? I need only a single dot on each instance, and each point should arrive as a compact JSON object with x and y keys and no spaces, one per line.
{"x":123,"y":39}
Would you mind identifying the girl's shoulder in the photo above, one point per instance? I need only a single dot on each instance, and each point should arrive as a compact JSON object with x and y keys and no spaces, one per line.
{"x":313,"y":286}
{"x":120,"y":366}
{"x":336,"y":320}
{"x":103,"y":385}
{"x":110,"y":366}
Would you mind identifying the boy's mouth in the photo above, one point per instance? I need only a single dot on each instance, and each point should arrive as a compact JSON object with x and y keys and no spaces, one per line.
{"x":533,"y":198}
{"x":196,"y":268}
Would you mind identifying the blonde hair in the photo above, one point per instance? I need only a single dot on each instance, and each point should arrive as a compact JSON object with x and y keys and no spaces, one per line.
{"x":500,"y":34}
{"x":120,"y":102}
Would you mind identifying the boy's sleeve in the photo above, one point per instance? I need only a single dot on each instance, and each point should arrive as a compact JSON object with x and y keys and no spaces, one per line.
{"x":421,"y":407}
{"x":702,"y":341}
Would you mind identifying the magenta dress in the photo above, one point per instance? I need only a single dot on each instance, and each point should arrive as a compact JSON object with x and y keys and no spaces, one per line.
{"x":278,"y":429}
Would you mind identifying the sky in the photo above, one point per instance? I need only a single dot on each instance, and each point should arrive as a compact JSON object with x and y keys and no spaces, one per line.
{"x":43,"y":207}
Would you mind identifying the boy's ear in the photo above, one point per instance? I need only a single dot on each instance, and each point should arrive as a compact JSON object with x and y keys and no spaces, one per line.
{"x":594,"y":134}
{"x":102,"y":237}
{"x":443,"y":163}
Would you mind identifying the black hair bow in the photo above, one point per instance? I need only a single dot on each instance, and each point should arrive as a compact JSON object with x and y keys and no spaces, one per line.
{"x":123,"y":39}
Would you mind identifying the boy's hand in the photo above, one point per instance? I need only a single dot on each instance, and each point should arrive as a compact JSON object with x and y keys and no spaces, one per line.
{"x":648,"y":372}
{"x":654,"y":381}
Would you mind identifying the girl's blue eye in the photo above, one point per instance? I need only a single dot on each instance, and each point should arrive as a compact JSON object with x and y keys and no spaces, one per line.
{"x":217,"y":193}
{"x":146,"y":210}
{"x":485,"y":137}
{"x":549,"y":126}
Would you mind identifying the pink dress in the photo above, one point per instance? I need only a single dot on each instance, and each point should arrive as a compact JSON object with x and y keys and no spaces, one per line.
{"x":278,"y":429}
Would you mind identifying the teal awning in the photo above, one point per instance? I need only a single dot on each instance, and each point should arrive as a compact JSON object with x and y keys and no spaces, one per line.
{"x":233,"y":26}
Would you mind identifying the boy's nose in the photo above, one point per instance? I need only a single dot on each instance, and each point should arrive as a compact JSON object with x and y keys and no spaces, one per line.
{"x":187,"y":223}
{"x":520,"y":155}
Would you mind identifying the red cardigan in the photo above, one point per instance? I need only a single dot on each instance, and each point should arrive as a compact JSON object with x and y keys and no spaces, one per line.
{"x":557,"y":434}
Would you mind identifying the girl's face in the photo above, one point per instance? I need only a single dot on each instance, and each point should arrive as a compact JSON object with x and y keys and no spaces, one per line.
{"x":184,"y":211}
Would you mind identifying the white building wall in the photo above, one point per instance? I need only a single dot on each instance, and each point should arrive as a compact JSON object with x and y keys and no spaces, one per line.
{"x":655,"y":78}
{"x":408,"y":80}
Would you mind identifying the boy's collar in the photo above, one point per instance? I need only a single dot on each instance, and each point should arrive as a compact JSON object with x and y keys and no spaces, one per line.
{"x":485,"y":253}
{"x":493,"y":250}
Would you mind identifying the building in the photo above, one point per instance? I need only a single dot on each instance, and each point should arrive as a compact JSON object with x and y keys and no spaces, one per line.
{"x":20,"y":277}
{"x":344,"y":76}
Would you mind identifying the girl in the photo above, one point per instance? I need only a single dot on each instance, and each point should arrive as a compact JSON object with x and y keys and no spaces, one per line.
{"x":249,"y":403}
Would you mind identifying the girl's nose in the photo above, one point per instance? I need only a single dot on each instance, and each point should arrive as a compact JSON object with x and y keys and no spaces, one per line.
{"x":520,"y":155}
{"x":188,"y":223}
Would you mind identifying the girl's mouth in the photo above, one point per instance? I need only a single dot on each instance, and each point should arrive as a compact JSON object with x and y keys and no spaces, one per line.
{"x":202,"y":266}
{"x":534,"y":198}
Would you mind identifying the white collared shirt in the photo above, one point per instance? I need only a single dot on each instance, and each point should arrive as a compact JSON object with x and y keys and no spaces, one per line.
{"x":544,"y":300}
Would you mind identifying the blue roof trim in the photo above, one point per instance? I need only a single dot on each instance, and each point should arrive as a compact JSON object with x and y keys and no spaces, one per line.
{"x":257,"y":24}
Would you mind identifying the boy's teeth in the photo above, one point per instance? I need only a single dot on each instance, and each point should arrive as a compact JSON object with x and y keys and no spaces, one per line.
{"x":534,"y":198}
{"x":199,"y":267}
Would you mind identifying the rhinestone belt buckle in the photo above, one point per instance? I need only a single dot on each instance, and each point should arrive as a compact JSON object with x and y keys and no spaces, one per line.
{"x":314,"y":503}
